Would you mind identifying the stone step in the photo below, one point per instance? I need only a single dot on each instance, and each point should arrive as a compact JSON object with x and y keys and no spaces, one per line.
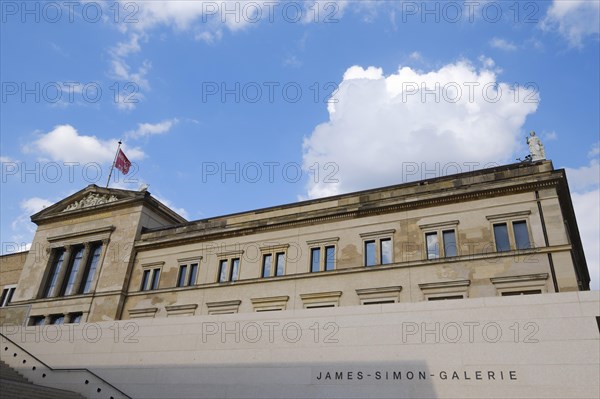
{"x":8,"y":373}
{"x":18,"y":390}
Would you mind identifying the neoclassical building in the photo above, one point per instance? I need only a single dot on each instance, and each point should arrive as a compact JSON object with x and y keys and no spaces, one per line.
{"x":116,"y":254}
{"x":373,"y":269}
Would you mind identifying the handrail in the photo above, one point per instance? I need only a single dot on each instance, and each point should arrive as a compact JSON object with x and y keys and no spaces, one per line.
{"x":65,"y":369}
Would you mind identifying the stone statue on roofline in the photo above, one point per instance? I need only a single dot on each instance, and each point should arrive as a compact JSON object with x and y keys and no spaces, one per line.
{"x":536,"y":148}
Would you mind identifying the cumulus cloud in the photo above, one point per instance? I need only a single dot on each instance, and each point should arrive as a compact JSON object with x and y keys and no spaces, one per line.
{"x":381,"y":127}
{"x":585,"y":177}
{"x":574,"y":19}
{"x":149,"y":129}
{"x":169,"y":204}
{"x":502,"y":44}
{"x":65,"y":144}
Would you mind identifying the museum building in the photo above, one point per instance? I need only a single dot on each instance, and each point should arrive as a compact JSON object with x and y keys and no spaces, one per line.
{"x":453,"y":245}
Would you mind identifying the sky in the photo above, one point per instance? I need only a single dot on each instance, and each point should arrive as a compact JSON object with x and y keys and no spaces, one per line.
{"x":224,"y":107}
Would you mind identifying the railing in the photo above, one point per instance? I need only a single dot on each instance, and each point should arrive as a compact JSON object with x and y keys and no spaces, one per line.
{"x":40,"y":373}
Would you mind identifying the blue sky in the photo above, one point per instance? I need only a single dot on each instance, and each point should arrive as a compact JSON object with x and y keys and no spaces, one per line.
{"x":231,"y":106}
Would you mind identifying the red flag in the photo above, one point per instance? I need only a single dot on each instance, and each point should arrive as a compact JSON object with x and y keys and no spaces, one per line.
{"x":122,"y":163}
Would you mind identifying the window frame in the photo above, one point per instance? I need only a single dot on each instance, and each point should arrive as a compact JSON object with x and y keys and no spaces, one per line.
{"x":8,"y":291}
{"x":510,"y":219}
{"x":439,"y":290}
{"x":322,"y":245}
{"x":438,"y":230}
{"x":229,"y":258}
{"x":273,"y":251}
{"x":153,"y":271}
{"x":192,"y":269}
{"x":377,"y":237}
{"x":520,"y":283}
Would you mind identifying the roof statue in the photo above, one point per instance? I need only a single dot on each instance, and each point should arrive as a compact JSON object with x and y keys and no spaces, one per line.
{"x":536,"y":148}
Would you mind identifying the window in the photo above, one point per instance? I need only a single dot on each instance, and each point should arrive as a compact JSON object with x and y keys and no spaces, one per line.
{"x":223,"y":307}
{"x":380,"y":295}
{"x":72,"y":270}
{"x":57,"y":262}
{"x":270,"y":304}
{"x":273,"y":260}
{"x":91,"y":267}
{"x":37,"y":321}
{"x":520,"y":285}
{"x":7,"y":294}
{"x":440,"y":239}
{"x":322,"y":254}
{"x":511,"y":231}
{"x":69,"y":287}
{"x":57,"y":319}
{"x":229,"y":270}
{"x":75,"y":318}
{"x":321,"y":299}
{"x":378,"y":247}
{"x":456,"y":289}
{"x":187,"y":275}
{"x":150,"y":279}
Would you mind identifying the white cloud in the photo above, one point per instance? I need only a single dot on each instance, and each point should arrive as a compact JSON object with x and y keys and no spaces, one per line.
{"x":585,"y":177}
{"x":379,"y":126}
{"x":587,"y":211}
{"x":169,"y":204}
{"x":22,"y":227}
{"x":595,"y":151}
{"x":149,"y":129}
{"x":415,"y":56}
{"x":6,"y":159}
{"x":35,"y":204}
{"x":574,"y":19}
{"x":65,"y":144}
{"x":502,"y":44}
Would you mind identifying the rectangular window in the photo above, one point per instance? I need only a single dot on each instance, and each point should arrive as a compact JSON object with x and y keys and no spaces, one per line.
{"x":280,"y":264}
{"x":57,"y":319}
{"x":522,"y":292}
{"x":521,"y":235}
{"x":315,"y":260}
{"x":385,"y":248}
{"x":59,"y":255}
{"x":37,"y":321}
{"x":181,"y":278}
{"x":69,"y":288}
{"x":329,"y":258}
{"x":91,"y":267}
{"x":501,"y":237}
{"x":75,"y":318}
{"x":443,"y":298}
{"x":370,"y":255}
{"x":193,"y":274}
{"x":229,"y":270}
{"x":150,"y":279}
{"x":266,"y":269}
{"x":433,"y":246}
{"x":7,"y":294}
{"x":449,"y":237}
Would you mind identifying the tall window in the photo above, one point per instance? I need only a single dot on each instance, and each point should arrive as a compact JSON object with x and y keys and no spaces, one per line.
{"x":315,"y":259}
{"x":435,"y":250}
{"x":150,"y":279}
{"x":229,"y":270}
{"x":187,"y":275}
{"x":322,"y":255}
{"x":7,"y":294}
{"x":69,"y":287}
{"x":378,"y":248}
{"x":91,"y":267}
{"x":329,"y":258}
{"x":520,"y":235}
{"x":57,"y":262}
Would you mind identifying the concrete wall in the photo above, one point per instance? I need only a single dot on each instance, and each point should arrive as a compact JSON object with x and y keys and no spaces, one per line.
{"x":535,"y":346}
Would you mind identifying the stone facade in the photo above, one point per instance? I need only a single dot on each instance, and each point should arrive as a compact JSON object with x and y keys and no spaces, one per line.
{"x":435,"y":239}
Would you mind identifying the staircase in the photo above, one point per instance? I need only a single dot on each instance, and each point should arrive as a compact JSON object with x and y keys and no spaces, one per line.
{"x":14,"y":386}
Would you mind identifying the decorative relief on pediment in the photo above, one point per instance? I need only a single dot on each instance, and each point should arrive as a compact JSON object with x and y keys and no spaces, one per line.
{"x":91,"y":199}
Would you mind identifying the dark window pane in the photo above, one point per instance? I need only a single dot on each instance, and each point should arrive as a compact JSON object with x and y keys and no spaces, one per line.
{"x":315,"y":259}
{"x":370,"y":257}
{"x":386,"y":251}
{"x":155,"y":278}
{"x":4,"y":297}
{"x":235,"y":269}
{"x":37,"y":321}
{"x":433,"y":246}
{"x":524,"y":292}
{"x":443,"y":298}
{"x":280,"y":264}
{"x":58,"y":319}
{"x":182,"y":275}
{"x":75,"y":265}
{"x":91,"y":269}
{"x":266,"y":269}
{"x":521,"y":235}
{"x":145,"y":280}
{"x":449,"y":237}
{"x":11,"y":292}
{"x":501,"y":236}
{"x":329,"y":258}
{"x":55,"y":271}
{"x":76,"y":318}
{"x":193,"y":274}
{"x":223,"y":271}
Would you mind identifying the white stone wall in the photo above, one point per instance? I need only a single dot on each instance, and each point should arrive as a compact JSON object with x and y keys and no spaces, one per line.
{"x":536,"y":346}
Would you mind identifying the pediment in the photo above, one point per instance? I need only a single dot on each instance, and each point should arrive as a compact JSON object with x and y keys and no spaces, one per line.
{"x":90,"y":198}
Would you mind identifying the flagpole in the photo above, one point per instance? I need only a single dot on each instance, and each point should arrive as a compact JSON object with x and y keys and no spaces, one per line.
{"x":113,"y":164}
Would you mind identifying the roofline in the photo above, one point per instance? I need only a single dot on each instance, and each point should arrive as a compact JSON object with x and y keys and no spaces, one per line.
{"x":356,"y":193}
